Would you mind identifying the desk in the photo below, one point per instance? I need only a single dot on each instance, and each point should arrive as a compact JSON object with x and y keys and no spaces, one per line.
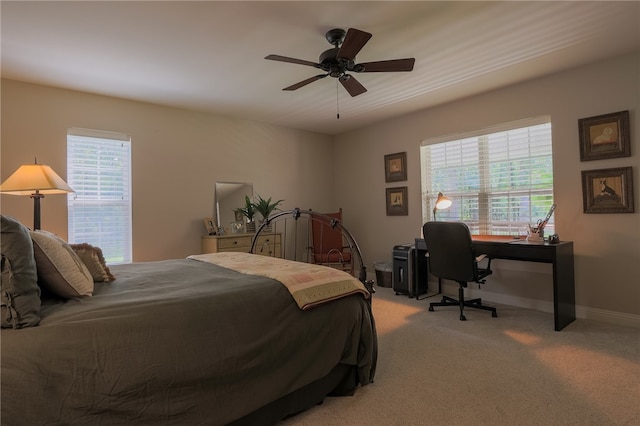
{"x":559,"y":255}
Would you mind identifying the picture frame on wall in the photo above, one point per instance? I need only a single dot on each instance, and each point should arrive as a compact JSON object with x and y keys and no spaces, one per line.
{"x":604,"y":136}
{"x":608,"y":190}
{"x":395,"y":167}
{"x":397,"y":201}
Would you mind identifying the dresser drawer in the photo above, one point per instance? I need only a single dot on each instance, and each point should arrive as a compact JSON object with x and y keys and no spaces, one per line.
{"x":269,"y":250}
{"x":243,"y":242}
{"x":269,"y":239}
{"x":267,"y":244}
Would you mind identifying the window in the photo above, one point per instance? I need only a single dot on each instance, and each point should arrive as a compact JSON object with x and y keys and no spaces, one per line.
{"x":99,"y":170}
{"x":500,"y":180}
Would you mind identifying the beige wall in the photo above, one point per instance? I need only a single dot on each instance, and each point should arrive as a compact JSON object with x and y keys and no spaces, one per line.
{"x":177,"y":156}
{"x":607,"y":246}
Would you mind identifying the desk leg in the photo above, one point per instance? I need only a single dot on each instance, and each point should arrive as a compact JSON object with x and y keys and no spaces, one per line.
{"x":564,"y":294}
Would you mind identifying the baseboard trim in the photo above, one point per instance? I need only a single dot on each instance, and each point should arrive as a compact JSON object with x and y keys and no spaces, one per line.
{"x":582,"y":312}
{"x":610,"y":317}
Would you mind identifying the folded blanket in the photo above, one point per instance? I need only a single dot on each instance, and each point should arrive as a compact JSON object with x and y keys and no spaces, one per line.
{"x":309,"y":284}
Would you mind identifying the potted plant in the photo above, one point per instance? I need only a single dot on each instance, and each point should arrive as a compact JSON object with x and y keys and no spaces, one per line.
{"x":266,"y":207}
{"x":248,"y":211}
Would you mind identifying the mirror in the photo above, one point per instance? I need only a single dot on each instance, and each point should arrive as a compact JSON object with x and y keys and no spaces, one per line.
{"x":230,"y":196}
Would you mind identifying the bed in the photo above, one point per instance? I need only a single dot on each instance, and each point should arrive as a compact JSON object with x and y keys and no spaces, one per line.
{"x":183,"y":341}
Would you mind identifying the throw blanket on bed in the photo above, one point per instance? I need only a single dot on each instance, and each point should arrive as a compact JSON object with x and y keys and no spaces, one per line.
{"x":309,"y":284}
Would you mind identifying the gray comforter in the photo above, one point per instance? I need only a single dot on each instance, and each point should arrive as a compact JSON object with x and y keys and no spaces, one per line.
{"x":176,"y":342}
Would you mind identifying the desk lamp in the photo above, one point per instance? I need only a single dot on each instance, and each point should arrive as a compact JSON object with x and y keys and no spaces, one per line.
{"x":442,"y":202}
{"x":35,"y":180}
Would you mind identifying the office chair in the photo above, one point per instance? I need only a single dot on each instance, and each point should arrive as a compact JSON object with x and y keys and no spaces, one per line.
{"x":451,"y":256}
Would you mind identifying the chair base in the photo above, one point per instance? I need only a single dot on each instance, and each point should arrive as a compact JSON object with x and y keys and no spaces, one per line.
{"x":473,"y":303}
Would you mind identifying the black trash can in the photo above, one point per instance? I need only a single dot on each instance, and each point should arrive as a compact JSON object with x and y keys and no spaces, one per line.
{"x":384,"y":273}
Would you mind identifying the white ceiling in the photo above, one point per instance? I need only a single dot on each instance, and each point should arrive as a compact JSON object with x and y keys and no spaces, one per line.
{"x":209,"y":56}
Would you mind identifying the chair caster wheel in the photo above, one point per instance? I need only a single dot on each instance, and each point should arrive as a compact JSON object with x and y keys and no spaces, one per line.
{"x":463,"y":318}
{"x":430,"y":308}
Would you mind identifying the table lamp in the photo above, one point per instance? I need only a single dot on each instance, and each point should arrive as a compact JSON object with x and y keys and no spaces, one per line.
{"x":442,"y":202}
{"x":35,"y":180}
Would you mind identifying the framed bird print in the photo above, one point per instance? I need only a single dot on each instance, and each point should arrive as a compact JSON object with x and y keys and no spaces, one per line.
{"x":397,"y":201}
{"x":608,"y":190}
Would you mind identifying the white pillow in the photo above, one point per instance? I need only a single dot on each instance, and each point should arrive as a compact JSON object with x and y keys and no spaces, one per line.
{"x":59,"y":268}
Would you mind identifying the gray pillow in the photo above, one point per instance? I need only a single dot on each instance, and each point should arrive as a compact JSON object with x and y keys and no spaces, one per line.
{"x":19,"y":282}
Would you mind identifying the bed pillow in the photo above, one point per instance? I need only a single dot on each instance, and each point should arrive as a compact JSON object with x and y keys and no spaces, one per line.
{"x":19,"y":280}
{"x":60,"y":269}
{"x":94,"y":261}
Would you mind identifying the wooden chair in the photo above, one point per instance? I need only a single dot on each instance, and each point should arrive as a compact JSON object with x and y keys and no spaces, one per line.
{"x":327,"y":245}
{"x":296,"y":228}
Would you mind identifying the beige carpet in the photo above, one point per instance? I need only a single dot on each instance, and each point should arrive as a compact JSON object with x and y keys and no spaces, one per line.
{"x":512,"y":370}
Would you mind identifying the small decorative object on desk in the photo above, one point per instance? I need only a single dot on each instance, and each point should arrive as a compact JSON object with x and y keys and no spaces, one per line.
{"x":536,"y":233}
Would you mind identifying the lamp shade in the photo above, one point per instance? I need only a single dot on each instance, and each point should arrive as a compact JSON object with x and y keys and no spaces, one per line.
{"x":442,"y":202}
{"x":35,"y":180}
{"x":31,"y":178}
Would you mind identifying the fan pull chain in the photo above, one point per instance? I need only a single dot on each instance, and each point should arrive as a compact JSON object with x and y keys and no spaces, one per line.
{"x":337,"y":103}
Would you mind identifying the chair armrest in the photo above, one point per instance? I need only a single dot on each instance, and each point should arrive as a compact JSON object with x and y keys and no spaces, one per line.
{"x":481,"y":258}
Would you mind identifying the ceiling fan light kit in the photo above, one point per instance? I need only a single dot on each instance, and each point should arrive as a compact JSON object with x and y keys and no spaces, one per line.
{"x":340,"y":60}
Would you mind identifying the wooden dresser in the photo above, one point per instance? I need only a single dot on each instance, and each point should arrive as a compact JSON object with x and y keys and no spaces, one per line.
{"x":268,"y":244}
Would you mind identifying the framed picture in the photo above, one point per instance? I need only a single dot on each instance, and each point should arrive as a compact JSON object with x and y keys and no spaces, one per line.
{"x":607,"y":190}
{"x":395,"y":167}
{"x":210,"y":224}
{"x":604,"y":136}
{"x":397,"y":201}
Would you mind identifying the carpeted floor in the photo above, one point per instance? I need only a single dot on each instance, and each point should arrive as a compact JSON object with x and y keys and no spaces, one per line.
{"x":512,"y":370}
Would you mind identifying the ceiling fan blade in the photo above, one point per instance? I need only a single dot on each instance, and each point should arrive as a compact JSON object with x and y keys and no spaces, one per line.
{"x":386,"y":66}
{"x":352,"y":85}
{"x":305,"y":82}
{"x":353,"y":42}
{"x":292,"y":60}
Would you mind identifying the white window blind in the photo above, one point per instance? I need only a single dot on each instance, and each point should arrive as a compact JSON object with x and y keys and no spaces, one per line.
{"x":500,"y":180}
{"x":99,"y":170}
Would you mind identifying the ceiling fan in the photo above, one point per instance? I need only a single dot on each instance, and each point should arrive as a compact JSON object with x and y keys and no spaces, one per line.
{"x":341,"y":59}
